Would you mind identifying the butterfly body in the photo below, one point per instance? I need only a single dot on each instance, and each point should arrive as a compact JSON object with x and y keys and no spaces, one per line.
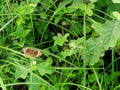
{"x":31,"y":52}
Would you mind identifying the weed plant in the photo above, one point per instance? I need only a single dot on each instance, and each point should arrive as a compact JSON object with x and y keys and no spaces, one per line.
{"x":79,"y":41}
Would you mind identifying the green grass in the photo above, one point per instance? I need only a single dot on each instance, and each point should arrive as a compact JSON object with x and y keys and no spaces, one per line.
{"x":73,"y":38}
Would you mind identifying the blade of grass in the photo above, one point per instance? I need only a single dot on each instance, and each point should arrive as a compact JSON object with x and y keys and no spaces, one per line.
{"x":96,"y":76}
{"x":7,"y":23}
{"x":74,"y":84}
{"x":2,"y":84}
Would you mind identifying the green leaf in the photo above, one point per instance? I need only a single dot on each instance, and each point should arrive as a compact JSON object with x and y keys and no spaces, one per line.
{"x":116,"y":15}
{"x":76,"y":44}
{"x":94,"y":50}
{"x":77,"y":3}
{"x":93,"y":1}
{"x":43,"y":15}
{"x":57,"y":19}
{"x":67,"y":52}
{"x":97,"y":27}
{"x":22,"y":72}
{"x":116,"y":1}
{"x":54,"y":49}
{"x":45,"y":3}
{"x":103,"y":3}
{"x":82,"y":6}
{"x":40,"y":26}
{"x":89,"y":12}
{"x":34,"y":1}
{"x":20,"y":21}
{"x":60,"y":40}
{"x":70,"y":9}
{"x":113,"y":7}
{"x":110,"y":33}
{"x":91,"y":6}
{"x":34,"y":78}
{"x":19,"y":43}
{"x":20,"y":32}
{"x":25,"y":8}
{"x":61,"y":6}
{"x":45,"y":67}
{"x":46,"y":52}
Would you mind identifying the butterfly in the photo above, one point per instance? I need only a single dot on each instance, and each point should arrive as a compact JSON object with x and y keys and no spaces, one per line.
{"x":33,"y":53}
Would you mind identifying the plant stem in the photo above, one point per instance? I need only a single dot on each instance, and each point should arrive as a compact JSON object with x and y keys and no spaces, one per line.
{"x":97,"y":78}
{"x":112,"y":66}
{"x":84,"y":52}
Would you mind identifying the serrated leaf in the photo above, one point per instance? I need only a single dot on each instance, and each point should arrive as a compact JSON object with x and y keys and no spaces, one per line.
{"x":76,"y":43}
{"x":60,"y":40}
{"x":67,"y":52}
{"x":110,"y":33}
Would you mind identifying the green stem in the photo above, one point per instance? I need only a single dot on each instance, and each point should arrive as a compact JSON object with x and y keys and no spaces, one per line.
{"x":97,"y":78}
{"x":112,"y":65}
{"x":84,"y":62}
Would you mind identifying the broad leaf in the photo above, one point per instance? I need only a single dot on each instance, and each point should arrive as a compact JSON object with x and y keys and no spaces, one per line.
{"x":110,"y":33}
{"x":94,"y":50}
{"x":22,"y":72}
{"x":36,"y":81}
{"x":45,"y":67}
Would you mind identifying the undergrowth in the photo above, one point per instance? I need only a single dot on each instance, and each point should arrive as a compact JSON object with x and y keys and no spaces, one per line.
{"x":79,"y":41}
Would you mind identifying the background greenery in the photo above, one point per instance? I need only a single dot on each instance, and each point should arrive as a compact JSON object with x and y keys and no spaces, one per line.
{"x":79,"y":39}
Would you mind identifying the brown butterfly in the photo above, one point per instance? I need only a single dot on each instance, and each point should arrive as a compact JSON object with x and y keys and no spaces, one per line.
{"x":31,"y":52}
